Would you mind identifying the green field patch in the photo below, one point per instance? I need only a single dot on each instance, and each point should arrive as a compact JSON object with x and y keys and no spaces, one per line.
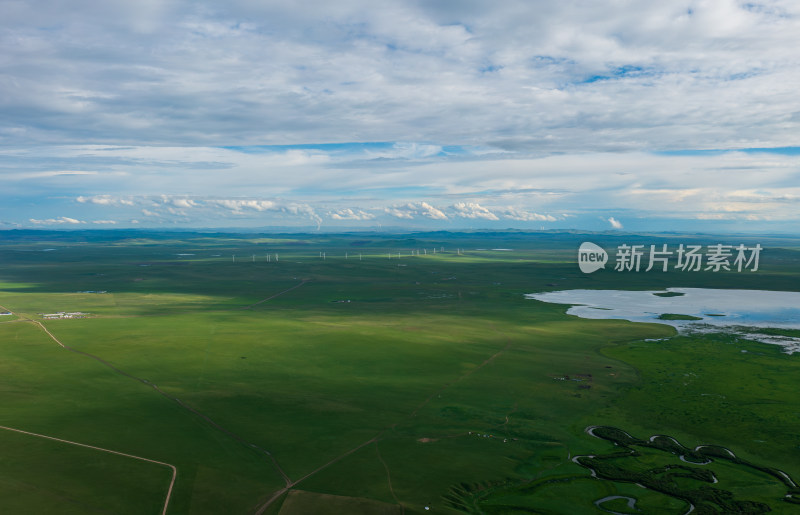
{"x":360,"y":474}
{"x":705,"y":389}
{"x":780,"y":332}
{"x":300,"y":502}
{"x":38,"y":475}
{"x":584,"y":495}
{"x":110,"y":304}
{"x":294,"y":370}
{"x":49,"y":390}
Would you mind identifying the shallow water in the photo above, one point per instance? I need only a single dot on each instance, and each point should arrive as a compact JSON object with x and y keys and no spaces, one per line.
{"x":736,"y":311}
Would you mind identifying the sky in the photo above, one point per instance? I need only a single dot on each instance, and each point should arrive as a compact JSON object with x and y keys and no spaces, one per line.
{"x":623,"y":115}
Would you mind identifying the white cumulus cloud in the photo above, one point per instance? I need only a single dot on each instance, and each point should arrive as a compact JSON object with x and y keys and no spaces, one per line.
{"x":182,"y":202}
{"x":473,"y":210}
{"x":239,"y":206}
{"x":105,"y":200}
{"x":411,"y":210}
{"x":525,"y":216}
{"x":351,"y":214}
{"x":431,"y":212}
{"x":400,"y":212}
{"x":59,"y":220}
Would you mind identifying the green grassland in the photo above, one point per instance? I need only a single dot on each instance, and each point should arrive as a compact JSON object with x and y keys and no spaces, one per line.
{"x":367,"y":384}
{"x":44,"y":476}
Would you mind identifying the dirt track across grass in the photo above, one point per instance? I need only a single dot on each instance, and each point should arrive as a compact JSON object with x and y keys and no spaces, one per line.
{"x":172,"y":467}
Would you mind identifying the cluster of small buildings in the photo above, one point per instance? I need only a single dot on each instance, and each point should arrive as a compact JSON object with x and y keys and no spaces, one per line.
{"x":61,"y":315}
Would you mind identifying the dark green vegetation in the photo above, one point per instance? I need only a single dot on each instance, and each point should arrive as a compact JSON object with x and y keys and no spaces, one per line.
{"x":681,"y":481}
{"x":299,"y":502}
{"x":42,"y":476}
{"x":411,"y":382}
{"x":676,"y":316}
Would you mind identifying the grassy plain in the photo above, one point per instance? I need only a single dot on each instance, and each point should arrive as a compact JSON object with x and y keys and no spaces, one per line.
{"x":382,"y":380}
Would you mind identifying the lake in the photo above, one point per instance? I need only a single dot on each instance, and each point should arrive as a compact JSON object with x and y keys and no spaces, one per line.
{"x":741,"y":312}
